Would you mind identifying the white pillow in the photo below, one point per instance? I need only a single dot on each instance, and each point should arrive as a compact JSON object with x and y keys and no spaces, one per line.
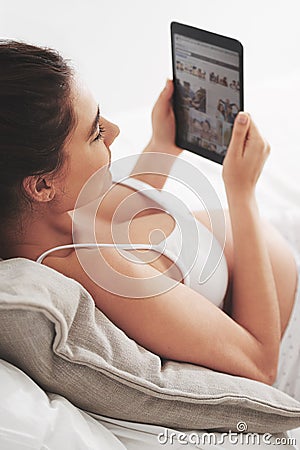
{"x":32,"y":420}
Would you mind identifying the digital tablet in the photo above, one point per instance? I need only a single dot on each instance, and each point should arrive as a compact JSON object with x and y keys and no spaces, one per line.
{"x":208,"y":89}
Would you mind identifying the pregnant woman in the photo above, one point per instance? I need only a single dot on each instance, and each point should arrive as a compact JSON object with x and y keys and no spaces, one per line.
{"x":52,"y":142}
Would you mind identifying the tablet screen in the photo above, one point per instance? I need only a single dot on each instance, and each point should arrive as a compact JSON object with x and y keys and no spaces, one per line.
{"x":208,"y":95}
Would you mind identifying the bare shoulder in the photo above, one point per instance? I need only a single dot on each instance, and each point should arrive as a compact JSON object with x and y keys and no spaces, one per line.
{"x":130,"y":199}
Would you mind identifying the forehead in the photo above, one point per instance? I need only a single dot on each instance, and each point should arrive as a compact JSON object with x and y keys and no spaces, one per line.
{"x":85,"y":107}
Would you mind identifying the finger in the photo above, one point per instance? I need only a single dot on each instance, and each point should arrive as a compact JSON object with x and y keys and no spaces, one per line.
{"x":239,"y":133}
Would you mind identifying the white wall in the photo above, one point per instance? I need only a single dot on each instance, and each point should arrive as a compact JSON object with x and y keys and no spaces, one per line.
{"x":123,"y":46}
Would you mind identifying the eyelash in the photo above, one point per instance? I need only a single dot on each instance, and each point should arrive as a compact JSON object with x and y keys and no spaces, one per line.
{"x":100,"y":134}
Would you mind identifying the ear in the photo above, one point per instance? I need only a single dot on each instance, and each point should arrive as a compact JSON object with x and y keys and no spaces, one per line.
{"x":39,"y":188}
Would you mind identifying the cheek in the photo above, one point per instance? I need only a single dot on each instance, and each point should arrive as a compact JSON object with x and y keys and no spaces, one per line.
{"x":86,"y":177}
{"x":96,"y":159}
{"x":101,"y":156}
{"x":94,"y":178}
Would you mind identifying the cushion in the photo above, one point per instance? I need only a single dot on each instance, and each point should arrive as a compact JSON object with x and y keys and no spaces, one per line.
{"x":50,"y":329}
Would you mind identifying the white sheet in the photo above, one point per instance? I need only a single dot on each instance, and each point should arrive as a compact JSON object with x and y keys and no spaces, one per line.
{"x":32,"y":420}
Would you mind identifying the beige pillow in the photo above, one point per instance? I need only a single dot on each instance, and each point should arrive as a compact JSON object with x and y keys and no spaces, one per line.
{"x":50,"y":329}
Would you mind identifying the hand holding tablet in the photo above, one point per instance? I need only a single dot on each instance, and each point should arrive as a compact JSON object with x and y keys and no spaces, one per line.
{"x":208,"y":89}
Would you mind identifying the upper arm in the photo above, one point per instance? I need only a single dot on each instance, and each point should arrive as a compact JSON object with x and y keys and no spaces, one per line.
{"x":176,"y":323}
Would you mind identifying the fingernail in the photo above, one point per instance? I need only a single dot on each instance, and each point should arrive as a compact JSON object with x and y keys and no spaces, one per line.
{"x":242,"y":118}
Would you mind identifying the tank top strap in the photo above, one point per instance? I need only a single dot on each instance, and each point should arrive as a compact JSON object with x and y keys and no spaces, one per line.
{"x":90,"y":245}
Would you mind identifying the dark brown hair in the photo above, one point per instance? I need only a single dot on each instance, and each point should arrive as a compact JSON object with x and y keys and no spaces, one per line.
{"x":36,"y":117}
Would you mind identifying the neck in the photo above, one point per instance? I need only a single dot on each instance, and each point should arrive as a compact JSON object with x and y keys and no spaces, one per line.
{"x":38,"y":233}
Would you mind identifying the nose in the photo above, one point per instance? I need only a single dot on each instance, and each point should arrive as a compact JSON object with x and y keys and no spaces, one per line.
{"x":111,"y":131}
{"x":116,"y":130}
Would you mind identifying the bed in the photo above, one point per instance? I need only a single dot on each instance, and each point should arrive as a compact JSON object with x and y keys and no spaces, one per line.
{"x":33,"y":419}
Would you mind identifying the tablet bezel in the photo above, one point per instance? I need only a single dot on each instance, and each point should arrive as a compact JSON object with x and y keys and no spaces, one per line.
{"x":218,"y":41}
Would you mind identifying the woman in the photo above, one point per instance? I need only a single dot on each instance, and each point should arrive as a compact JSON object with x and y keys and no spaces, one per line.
{"x":220,"y":114}
{"x":53,"y":139}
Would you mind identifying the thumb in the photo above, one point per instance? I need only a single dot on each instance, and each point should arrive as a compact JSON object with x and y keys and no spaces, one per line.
{"x":239,"y":133}
{"x":162,"y":104}
{"x":167,"y":92}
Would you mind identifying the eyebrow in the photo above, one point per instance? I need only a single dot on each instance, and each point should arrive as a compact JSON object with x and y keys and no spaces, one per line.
{"x":94,"y":124}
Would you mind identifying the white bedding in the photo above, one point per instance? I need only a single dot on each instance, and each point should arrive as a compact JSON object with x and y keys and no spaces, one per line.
{"x":32,"y":420}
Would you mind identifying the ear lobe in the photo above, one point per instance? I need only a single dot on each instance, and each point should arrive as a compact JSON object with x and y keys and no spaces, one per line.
{"x":39,"y":188}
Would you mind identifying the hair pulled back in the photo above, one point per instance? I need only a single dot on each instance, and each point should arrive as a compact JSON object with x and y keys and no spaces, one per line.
{"x":36,"y":117}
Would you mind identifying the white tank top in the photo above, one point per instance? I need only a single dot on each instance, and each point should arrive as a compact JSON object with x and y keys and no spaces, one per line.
{"x":190,"y":246}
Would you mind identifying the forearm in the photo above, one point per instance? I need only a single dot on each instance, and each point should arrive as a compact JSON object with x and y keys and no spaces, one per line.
{"x":155,"y":163}
{"x":254,"y":296}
